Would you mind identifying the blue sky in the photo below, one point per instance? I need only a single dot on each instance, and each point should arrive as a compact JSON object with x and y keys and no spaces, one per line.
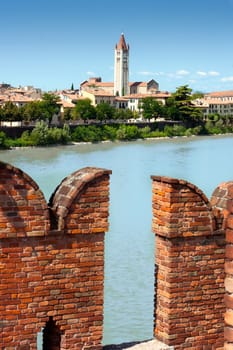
{"x":53,"y":43}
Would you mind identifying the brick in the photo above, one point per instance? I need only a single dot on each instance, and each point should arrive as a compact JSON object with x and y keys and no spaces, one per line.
{"x":228,"y":334}
{"x":229,"y":284}
{"x":190,"y":267}
{"x":229,"y":317}
{"x":49,"y":272}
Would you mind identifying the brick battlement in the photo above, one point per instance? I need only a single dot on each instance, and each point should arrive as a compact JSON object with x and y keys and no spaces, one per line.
{"x":52,"y":262}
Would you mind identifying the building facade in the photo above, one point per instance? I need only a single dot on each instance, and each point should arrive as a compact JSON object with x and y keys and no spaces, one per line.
{"x":218,"y":102}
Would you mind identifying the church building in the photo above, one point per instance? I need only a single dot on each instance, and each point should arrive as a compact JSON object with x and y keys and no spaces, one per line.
{"x":121,"y":93}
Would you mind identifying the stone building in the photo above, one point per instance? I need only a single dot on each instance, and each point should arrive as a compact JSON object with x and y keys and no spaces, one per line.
{"x":121,"y":93}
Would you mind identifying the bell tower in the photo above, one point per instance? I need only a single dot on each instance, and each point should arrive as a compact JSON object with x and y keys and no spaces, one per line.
{"x":121,"y":68}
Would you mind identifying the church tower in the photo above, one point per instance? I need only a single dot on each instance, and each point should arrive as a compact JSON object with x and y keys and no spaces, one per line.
{"x":121,"y":68}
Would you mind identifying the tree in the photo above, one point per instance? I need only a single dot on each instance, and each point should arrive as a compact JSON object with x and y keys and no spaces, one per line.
{"x":49,"y":106}
{"x":151,"y":108}
{"x":84,"y":110}
{"x":67,"y":115}
{"x":10,"y":112}
{"x":32,"y":111}
{"x":72,"y":87}
{"x":197,"y":94}
{"x":180,"y":106}
{"x":2,"y":140}
{"x":104,"y":111}
{"x":124,"y":114}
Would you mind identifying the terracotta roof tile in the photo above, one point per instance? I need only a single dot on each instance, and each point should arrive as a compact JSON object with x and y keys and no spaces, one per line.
{"x":228,"y":93}
{"x":122,"y":44}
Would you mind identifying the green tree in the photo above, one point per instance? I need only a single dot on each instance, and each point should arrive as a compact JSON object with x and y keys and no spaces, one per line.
{"x":67,"y":115}
{"x":128,"y":132}
{"x":40,"y":134}
{"x":151,"y":108}
{"x":32,"y":111}
{"x":197,"y":94}
{"x":49,"y":106}
{"x":109,"y":132}
{"x":180,"y":106}
{"x":10,"y":112}
{"x":84,"y":110}
{"x":124,"y":114}
{"x":43,"y":135}
{"x":2,"y":140}
{"x":90,"y":133}
{"x":104,"y":111}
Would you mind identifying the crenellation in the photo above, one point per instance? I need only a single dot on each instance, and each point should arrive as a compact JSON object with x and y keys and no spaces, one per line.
{"x":52,"y":262}
{"x":52,"y":276}
{"x":190,"y":255}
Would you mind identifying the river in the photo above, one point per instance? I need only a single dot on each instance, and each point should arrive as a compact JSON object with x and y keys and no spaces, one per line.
{"x":129,"y":244}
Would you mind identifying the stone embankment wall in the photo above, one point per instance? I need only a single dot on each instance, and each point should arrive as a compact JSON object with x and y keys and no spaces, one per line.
{"x":52,"y":260}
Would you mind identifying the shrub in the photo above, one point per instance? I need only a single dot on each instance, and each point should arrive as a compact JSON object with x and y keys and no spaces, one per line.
{"x":3,"y":140}
{"x":109,"y":132}
{"x":145,"y":132}
{"x":89,"y":133}
{"x":128,"y":132}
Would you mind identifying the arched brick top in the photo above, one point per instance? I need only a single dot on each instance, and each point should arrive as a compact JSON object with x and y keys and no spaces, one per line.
{"x":23,"y":209}
{"x":80,"y":202}
{"x":180,"y":209}
{"x":192,"y":187}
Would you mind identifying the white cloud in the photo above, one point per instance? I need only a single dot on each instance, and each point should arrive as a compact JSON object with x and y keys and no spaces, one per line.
{"x":182,"y":72}
{"x":146,"y":73}
{"x":91,"y":73}
{"x":226,"y":79}
{"x":202,"y":74}
{"x":151,"y":74}
{"x":213,"y":74}
{"x":209,"y":74}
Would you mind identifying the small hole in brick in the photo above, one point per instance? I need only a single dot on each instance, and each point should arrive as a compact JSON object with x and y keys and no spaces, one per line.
{"x":51,"y":336}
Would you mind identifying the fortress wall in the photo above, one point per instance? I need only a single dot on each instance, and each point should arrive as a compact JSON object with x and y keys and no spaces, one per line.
{"x":52,"y":260}
{"x":224,"y":196}
{"x":190,"y":251}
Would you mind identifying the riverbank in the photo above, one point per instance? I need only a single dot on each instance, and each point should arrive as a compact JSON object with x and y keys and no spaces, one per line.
{"x":42,"y":135}
{"x":82,"y":143}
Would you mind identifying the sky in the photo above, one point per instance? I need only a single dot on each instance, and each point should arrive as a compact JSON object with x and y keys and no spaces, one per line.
{"x":52,"y":44}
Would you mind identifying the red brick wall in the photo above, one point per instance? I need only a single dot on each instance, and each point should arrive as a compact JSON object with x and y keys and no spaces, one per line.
{"x":52,"y":262}
{"x":52,"y":259}
{"x":224,"y":196}
{"x":190,"y":248}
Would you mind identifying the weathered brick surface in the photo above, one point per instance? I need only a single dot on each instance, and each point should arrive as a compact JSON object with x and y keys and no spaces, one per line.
{"x":23,"y":209}
{"x":224,"y":196}
{"x":52,"y":262}
{"x":190,"y":248}
{"x":53,"y":276}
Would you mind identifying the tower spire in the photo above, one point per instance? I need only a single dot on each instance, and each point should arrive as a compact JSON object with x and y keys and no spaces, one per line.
{"x":122,"y":44}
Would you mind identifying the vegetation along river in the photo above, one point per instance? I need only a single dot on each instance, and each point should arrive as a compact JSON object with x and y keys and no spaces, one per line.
{"x":129,"y":244}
